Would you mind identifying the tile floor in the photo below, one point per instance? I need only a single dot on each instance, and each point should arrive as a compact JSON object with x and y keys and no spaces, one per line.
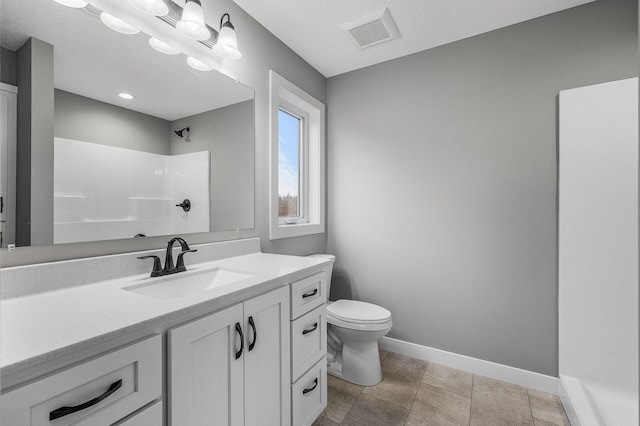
{"x":414,"y":392}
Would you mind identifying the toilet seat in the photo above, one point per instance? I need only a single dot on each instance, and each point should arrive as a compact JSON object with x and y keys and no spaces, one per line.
{"x":353,"y":314}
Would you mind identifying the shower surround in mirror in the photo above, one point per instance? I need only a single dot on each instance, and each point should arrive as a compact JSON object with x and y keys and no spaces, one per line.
{"x":117,"y":193}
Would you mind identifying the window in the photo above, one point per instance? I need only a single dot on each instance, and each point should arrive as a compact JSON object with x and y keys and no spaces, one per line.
{"x":297,"y":161}
{"x":291,"y":165}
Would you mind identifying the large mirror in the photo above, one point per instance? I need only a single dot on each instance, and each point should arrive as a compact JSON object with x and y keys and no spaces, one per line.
{"x":89,"y":165}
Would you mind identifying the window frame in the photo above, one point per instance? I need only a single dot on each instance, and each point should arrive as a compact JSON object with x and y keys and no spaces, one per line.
{"x":311,"y":198}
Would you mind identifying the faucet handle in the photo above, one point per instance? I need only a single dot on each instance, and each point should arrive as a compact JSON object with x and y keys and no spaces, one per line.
{"x":157,"y":266}
{"x":180,"y":262}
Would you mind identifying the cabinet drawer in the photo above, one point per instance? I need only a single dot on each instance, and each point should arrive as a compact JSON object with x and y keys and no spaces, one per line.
{"x":309,"y":395}
{"x":149,"y":416}
{"x":97,"y":392}
{"x":308,"y":340}
{"x":307,"y":294}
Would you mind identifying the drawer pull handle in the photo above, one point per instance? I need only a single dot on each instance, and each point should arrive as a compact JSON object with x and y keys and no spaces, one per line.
{"x":65,"y":411}
{"x":239,"y":331}
{"x":311,"y":330}
{"x":255,"y":334}
{"x":315,"y":385}
{"x":313,"y":293}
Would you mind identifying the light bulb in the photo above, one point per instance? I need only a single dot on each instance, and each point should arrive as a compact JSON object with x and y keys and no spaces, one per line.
{"x":152,"y":7}
{"x":72,"y":3}
{"x":117,"y":24}
{"x":163,"y":47}
{"x":192,"y":23}
{"x":197,"y":64}
{"x":127,"y":96}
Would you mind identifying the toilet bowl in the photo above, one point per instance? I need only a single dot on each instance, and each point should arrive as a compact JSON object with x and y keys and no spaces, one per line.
{"x":353,"y":332}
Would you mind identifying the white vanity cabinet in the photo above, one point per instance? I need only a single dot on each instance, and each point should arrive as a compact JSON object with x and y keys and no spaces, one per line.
{"x":247,"y":353}
{"x":106,"y":390}
{"x":308,"y":349}
{"x":232,"y":367}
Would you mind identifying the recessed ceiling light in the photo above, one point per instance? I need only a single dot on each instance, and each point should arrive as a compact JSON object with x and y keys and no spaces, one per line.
{"x":197,"y":64}
{"x":127,"y":96}
{"x":117,"y":24}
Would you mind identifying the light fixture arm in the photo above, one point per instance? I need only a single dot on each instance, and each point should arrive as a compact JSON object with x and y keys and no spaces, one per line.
{"x":228,"y":23}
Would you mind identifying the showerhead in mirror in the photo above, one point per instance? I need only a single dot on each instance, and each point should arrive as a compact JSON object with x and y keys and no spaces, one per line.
{"x":183,"y":133}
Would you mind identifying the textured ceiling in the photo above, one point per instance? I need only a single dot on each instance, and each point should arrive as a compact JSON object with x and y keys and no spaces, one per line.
{"x":312,"y":27}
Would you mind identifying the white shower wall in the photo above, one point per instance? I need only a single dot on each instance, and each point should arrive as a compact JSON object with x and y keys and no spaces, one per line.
{"x":598,"y":251}
{"x":104,"y":192}
{"x":189,"y":178}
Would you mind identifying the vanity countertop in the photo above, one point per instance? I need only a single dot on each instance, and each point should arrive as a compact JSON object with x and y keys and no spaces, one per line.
{"x":37,"y":328}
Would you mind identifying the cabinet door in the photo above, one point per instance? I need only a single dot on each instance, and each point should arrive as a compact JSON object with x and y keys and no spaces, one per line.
{"x":267,"y":369}
{"x":205,"y":378}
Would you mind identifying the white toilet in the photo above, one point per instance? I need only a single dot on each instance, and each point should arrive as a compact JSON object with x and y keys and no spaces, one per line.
{"x":352,"y":342}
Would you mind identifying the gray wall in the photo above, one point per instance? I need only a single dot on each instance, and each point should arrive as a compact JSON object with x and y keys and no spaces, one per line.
{"x":8,"y":66}
{"x":34,"y":199}
{"x":85,"y":119}
{"x":442,"y":181}
{"x":228,"y":134}
{"x":261,"y":51}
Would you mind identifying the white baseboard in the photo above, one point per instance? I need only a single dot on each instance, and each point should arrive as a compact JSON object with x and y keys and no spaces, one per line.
{"x":481,"y":367}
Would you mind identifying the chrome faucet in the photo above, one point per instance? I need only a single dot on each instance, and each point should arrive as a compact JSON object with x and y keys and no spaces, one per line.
{"x":169,"y":267}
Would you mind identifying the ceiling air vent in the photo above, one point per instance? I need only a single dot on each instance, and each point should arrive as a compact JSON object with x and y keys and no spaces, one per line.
{"x":376,"y":27}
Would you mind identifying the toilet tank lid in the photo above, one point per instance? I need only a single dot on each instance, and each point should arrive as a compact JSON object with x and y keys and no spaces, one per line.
{"x":352,"y":310}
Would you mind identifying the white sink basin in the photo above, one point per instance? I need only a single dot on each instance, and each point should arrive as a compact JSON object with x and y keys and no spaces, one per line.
{"x":184,"y":284}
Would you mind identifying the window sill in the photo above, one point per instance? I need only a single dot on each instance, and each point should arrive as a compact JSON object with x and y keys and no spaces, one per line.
{"x":296,"y":230}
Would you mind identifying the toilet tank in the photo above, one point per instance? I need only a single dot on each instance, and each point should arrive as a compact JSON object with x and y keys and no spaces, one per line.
{"x":328,"y":269}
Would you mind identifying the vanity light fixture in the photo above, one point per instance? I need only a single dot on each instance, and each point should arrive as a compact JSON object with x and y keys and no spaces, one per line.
{"x":117,"y":24}
{"x":152,"y":7}
{"x":127,"y":96}
{"x":163,"y":47}
{"x":73,"y":3}
{"x":197,"y":64}
{"x":227,"y":43}
{"x":192,"y":24}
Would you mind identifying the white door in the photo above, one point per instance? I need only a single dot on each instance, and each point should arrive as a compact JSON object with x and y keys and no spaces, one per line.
{"x":205,"y":385}
{"x":267,"y":369}
{"x":598,"y":245}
